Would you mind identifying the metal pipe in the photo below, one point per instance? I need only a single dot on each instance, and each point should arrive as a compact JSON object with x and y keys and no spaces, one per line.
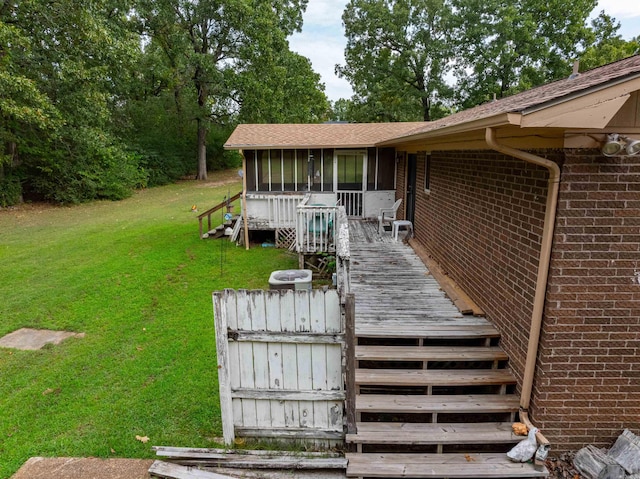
{"x":543,"y":264}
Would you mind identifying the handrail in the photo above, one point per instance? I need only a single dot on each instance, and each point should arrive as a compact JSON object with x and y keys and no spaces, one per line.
{"x":226,"y":202}
{"x":343,"y":255}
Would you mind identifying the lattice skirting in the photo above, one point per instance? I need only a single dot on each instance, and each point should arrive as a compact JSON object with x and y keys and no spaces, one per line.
{"x":286,"y":238}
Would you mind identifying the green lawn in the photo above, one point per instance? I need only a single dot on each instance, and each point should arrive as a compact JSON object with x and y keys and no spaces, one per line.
{"x":134,"y":276}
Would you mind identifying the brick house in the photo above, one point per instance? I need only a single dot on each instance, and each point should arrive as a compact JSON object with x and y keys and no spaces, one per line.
{"x":518,"y":204}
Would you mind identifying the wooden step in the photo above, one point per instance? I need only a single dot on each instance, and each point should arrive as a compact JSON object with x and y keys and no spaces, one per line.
{"x":429,"y":353}
{"x":434,"y":377}
{"x":438,"y":465}
{"x":427,"y":433}
{"x":457,"y":404}
{"x":433,"y":328}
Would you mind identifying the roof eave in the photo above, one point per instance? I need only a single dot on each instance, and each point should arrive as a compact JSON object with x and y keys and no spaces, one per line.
{"x":584,"y":92}
{"x":501,"y":119}
{"x":228,"y":146}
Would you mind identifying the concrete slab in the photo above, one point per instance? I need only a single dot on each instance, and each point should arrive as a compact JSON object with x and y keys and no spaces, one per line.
{"x":83,"y":468}
{"x":33,"y":339}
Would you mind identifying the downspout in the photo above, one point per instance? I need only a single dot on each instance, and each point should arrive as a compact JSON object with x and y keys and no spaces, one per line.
{"x":543,"y":268}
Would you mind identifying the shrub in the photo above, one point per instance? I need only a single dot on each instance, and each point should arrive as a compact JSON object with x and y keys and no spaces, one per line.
{"x":10,"y":191}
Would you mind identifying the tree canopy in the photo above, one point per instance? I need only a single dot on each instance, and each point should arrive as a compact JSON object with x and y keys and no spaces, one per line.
{"x":100,"y":97}
{"x":421,"y":59}
{"x":397,"y":56}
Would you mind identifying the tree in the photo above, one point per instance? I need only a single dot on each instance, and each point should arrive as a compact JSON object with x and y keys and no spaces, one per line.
{"x":397,"y":56}
{"x":340,"y":110}
{"x":608,"y":46}
{"x":204,"y":41}
{"x":505,"y":46}
{"x":278,"y":87}
{"x":68,"y":64}
{"x":22,"y":106}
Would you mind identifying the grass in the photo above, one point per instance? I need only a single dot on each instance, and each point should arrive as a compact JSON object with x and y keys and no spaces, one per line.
{"x":134,"y":276}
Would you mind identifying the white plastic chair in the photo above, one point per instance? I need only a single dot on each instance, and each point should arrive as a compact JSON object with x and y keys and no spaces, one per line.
{"x":388,"y":215}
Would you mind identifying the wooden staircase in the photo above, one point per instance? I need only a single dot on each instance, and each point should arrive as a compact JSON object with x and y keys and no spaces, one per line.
{"x":435,"y":396}
{"x":434,"y":407}
{"x":219,"y":231}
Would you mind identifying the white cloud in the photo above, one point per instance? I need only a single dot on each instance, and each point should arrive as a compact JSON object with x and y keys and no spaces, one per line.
{"x":322,"y":41}
{"x":620,"y":9}
{"x":325,"y":12}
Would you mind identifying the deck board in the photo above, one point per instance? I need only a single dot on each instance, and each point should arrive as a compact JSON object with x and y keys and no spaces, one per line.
{"x":437,"y":465}
{"x":435,"y":377}
{"x":428,"y":433}
{"x":419,"y":353}
{"x":458,"y":404}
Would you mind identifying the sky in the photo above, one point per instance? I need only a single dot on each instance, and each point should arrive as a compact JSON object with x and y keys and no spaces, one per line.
{"x":322,"y":38}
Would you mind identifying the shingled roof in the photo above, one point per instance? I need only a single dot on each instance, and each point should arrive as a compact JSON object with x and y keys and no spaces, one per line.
{"x":539,"y":97}
{"x":316,"y":135}
{"x":359,"y":135}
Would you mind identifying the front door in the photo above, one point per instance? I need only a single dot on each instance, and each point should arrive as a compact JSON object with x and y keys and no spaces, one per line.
{"x":412,"y":163}
{"x":350,"y":177}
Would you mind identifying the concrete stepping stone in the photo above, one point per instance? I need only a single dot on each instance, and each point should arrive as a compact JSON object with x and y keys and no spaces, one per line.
{"x":34,"y":339}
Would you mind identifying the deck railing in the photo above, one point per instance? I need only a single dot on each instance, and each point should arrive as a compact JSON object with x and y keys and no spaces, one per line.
{"x":271,"y":211}
{"x":316,"y":229}
{"x":343,"y":255}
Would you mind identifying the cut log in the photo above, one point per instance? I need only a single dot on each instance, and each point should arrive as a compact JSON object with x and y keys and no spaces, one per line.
{"x":591,"y":462}
{"x":626,"y":452}
{"x":612,"y":471}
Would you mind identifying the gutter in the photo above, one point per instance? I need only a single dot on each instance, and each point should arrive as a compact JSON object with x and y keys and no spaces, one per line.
{"x":543,"y":270}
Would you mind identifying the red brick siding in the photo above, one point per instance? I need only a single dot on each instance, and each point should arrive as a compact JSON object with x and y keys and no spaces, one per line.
{"x":587,"y":387}
{"x":401,"y":184}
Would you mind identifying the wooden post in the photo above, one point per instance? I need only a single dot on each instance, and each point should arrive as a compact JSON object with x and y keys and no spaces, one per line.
{"x":244,"y":201}
{"x":350,"y":363}
{"x":224,"y":380}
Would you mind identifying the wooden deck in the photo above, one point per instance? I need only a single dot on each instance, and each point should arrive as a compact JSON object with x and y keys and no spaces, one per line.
{"x":396,"y":296}
{"x":434,"y":394}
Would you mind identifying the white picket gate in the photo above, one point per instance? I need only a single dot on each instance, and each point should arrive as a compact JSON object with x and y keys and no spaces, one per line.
{"x":280,"y":357}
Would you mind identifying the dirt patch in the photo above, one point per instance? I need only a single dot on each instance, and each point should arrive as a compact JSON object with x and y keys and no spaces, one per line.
{"x":217,"y":178}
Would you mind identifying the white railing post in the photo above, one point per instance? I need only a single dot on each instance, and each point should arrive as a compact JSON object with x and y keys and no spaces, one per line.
{"x":343,"y":254}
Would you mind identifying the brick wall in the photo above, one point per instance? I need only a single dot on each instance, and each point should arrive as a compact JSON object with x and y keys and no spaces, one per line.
{"x":401,"y":184}
{"x":587,"y":387}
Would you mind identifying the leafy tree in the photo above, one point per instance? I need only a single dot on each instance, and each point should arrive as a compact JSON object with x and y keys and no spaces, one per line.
{"x":608,"y":46}
{"x":68,"y":64}
{"x":397,"y":55}
{"x":204,"y":41}
{"x":340,"y":110}
{"x":505,"y":46}
{"x":23,"y":106}
{"x":278,"y":87}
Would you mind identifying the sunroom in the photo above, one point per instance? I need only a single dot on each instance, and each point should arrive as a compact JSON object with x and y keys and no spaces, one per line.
{"x":296,"y":178}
